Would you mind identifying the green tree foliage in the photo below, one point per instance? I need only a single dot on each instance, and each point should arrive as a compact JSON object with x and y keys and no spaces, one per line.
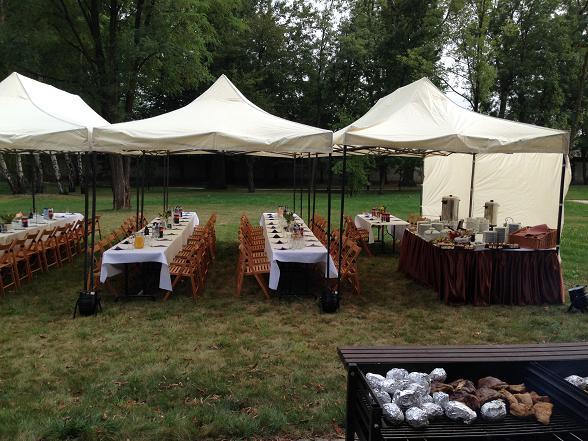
{"x":357,"y":170}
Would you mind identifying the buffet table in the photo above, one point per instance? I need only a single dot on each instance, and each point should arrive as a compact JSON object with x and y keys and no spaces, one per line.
{"x":277,"y":248}
{"x":395,"y":227}
{"x":16,"y":231}
{"x":484,"y":277}
{"x":161,"y":251}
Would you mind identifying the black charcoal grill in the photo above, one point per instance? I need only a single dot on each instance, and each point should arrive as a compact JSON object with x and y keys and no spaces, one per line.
{"x":531,"y":364}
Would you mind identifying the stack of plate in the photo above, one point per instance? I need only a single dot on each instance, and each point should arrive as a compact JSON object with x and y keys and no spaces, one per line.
{"x":490,"y":236}
{"x":437,"y":225}
{"x":422,"y":227}
{"x":483,"y":225}
{"x":514,"y":227}
{"x":500,"y":234}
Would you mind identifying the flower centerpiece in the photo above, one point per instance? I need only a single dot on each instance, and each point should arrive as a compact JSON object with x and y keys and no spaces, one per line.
{"x":289,"y":218}
{"x":5,"y":220}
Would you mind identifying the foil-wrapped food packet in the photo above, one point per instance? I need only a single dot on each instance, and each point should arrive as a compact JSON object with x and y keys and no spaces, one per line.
{"x":433,"y":410}
{"x":457,"y":411}
{"x":438,"y":374}
{"x":391,"y":385}
{"x":426,"y":399}
{"x":493,"y":410}
{"x":416,"y":417}
{"x":374,"y":380}
{"x":420,"y":378}
{"x":440,"y":398}
{"x":393,"y":413}
{"x":578,"y":381}
{"x":397,"y":374}
{"x":407,"y":398}
{"x":418,"y":388}
{"x":383,"y":396}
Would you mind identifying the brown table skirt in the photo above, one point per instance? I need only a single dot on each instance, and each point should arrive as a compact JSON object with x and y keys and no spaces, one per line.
{"x":488,"y":277}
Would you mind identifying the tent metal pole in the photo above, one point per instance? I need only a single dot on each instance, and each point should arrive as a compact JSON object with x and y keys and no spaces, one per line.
{"x":310,"y":177}
{"x":343,"y":182}
{"x":472,"y":185}
{"x":167,"y":183}
{"x":164,"y":181}
{"x":314,"y":161}
{"x":86,"y":203}
{"x":33,"y":183}
{"x":137,"y":185}
{"x":301,"y":185}
{"x":329,"y":181}
{"x":93,"y":233}
{"x":294,"y":184}
{"x":561,"y":201}
{"x":421,"y":199}
{"x":143,"y":160}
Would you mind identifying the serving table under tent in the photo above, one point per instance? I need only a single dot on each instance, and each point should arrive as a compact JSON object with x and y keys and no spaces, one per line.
{"x":485,"y":276}
{"x":394,"y":227}
{"x":18,"y":232}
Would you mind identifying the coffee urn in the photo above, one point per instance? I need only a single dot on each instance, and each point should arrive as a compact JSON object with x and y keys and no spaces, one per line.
{"x":449,"y":208}
{"x":491,"y":212}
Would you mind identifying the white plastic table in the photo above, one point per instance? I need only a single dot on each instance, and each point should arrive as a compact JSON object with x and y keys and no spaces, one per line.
{"x":159,"y":250}
{"x":278,"y":248}
{"x":395,"y":227}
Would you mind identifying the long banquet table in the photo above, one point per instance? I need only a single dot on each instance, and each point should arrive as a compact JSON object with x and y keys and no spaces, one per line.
{"x":159,"y":250}
{"x":278,"y":248}
{"x":17,"y":232}
{"x":484,"y":277}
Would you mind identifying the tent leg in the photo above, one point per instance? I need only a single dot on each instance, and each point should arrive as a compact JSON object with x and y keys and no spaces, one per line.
{"x":86,"y":212}
{"x":310,"y":177}
{"x":329,"y":181}
{"x":472,"y":185}
{"x":93,"y":233}
{"x":301,"y":185}
{"x":164,"y":181}
{"x":143,"y":160}
{"x":138,"y":189}
{"x":33,"y":183}
{"x":561,"y":201}
{"x":167,"y":183}
{"x":294,"y":184}
{"x":314,"y":161}
{"x":343,"y":181}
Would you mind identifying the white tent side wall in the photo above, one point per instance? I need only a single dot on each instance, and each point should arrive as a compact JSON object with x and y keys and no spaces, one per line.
{"x":526,"y":185}
{"x":445,"y":175}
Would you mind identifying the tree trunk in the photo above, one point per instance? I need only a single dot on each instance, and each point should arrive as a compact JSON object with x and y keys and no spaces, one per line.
{"x":20,"y":176}
{"x":71,"y":174}
{"x":383,"y":168}
{"x":8,"y":175}
{"x":250,"y":174}
{"x":57,"y":173}
{"x":80,"y":166}
{"x":39,"y":178}
{"x":579,"y":95}
{"x":584,"y":168}
{"x":121,"y":197}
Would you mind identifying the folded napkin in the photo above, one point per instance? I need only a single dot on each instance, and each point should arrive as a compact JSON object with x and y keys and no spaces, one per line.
{"x":276,"y":236}
{"x":271,"y":223}
{"x":155,"y":246}
{"x":117,"y":248}
{"x":282,"y":248}
{"x":164,"y":240}
{"x":279,"y":242}
{"x":274,"y":231}
{"x":126,"y":242}
{"x":171,"y":234}
{"x":312,"y":245}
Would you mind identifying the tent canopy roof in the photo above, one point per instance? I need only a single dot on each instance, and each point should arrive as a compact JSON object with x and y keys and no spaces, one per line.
{"x":36,"y":117}
{"x":221,"y":119}
{"x":419,"y":117}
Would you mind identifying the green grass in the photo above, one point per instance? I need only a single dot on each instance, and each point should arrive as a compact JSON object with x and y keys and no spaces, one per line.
{"x":222,"y":367}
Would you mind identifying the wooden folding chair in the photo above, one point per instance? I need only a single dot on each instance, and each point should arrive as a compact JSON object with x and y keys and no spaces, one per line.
{"x":31,"y":250}
{"x":7,"y":269}
{"x":247,"y":265}
{"x":48,"y":247}
{"x":359,"y":235}
{"x":22,"y":265}
{"x":61,"y":238}
{"x":349,"y":269}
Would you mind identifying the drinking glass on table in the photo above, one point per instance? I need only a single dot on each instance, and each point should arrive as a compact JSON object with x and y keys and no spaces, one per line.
{"x":139,"y":240}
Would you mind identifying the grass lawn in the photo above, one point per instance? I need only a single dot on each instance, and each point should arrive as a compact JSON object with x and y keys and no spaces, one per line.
{"x":222,"y":367}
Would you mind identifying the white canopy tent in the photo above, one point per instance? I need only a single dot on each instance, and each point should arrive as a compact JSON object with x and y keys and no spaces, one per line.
{"x":221,"y":119}
{"x":420,"y":118}
{"x":38,"y":117}
{"x":526,"y":185}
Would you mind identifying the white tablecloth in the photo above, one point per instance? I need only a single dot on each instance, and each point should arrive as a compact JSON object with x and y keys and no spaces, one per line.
{"x":277,"y":252}
{"x":16,"y":231}
{"x":162,"y":251}
{"x":395,"y":226}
